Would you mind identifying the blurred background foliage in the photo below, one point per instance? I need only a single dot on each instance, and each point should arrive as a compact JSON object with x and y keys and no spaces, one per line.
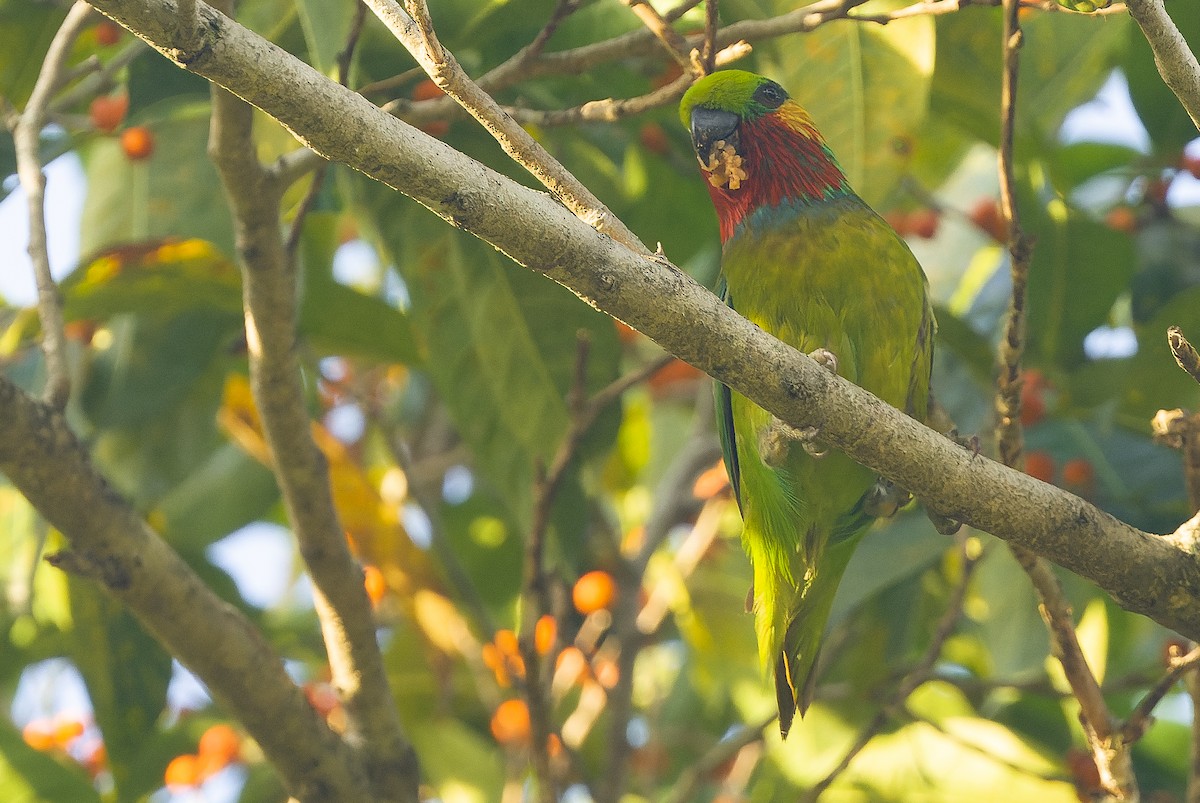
{"x":439,"y":377}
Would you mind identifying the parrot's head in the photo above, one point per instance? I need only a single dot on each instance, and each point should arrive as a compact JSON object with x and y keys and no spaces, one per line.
{"x":757,"y":147}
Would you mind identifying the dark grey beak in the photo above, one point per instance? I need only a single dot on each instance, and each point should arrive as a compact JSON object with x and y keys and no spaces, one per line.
{"x":710,"y":126}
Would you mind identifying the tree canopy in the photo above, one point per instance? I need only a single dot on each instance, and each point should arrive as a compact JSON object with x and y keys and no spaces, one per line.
{"x":318,"y":313}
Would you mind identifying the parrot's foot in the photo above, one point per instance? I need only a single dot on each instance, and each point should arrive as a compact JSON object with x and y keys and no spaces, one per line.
{"x":777,"y":438}
{"x":826,"y":358}
{"x":885,"y":498}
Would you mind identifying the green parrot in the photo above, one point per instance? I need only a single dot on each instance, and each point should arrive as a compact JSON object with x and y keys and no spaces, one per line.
{"x":807,"y":260}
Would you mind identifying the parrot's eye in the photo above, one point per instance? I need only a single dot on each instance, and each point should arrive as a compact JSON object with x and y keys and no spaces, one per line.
{"x":771,"y":95}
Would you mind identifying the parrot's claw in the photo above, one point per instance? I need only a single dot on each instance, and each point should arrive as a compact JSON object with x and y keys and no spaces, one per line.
{"x":777,"y":438}
{"x":826,"y":358}
{"x":885,"y":498}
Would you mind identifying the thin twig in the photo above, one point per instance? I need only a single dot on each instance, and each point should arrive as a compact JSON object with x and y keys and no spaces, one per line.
{"x":1174,"y":58}
{"x":415,"y":31}
{"x":919,"y":674}
{"x":672,"y":41}
{"x":689,"y":780}
{"x":1112,"y":759}
{"x":100,"y":81}
{"x":27,"y":135}
{"x":1139,"y":718}
{"x":708,"y":54}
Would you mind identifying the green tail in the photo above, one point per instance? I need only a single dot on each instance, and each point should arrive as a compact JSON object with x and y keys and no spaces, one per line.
{"x":796,"y":667}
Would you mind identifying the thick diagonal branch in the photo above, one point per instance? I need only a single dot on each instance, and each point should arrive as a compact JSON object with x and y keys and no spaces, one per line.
{"x":109,"y":543}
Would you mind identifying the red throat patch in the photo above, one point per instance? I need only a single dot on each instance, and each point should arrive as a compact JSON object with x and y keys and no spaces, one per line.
{"x":782,"y":158}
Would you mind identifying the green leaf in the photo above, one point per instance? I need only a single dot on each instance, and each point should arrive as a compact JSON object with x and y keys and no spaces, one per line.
{"x":325,"y":26}
{"x":872,"y":97}
{"x":152,"y":366}
{"x":158,"y":87}
{"x":27,"y":776}
{"x":226,"y":492}
{"x":126,"y":673}
{"x":896,"y":550}
{"x":26,"y":30}
{"x":1071,"y":165}
{"x":171,"y":194}
{"x":161,"y":277}
{"x":1078,"y":271}
{"x":342,"y":320}
{"x":501,"y":345}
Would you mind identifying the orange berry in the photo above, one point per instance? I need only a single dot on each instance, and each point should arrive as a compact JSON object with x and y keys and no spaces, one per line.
{"x":544,"y":634}
{"x":1078,"y":473}
{"x":107,"y":111}
{"x":39,"y":734}
{"x":924,"y":223}
{"x":1121,"y":218}
{"x":374,"y":583}
{"x":711,"y":482}
{"x":571,"y":667}
{"x":506,"y":640}
{"x":554,"y":746}
{"x":108,"y":33}
{"x":594,"y":591}
{"x":510,"y":723}
{"x":137,"y":143}
{"x":221,"y":741}
{"x":67,"y":731}
{"x":81,"y":331}
{"x":182,"y":771}
{"x":208,"y":765}
{"x":493,"y":659}
{"x":96,"y":761}
{"x":1040,"y":465}
{"x":654,"y":139}
{"x":426,"y":90}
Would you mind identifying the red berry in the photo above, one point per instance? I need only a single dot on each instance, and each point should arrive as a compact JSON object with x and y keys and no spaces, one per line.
{"x":1191,"y":164}
{"x":1040,"y":465}
{"x":107,"y":112}
{"x":987,"y":216}
{"x":924,"y":223}
{"x":1078,"y":473}
{"x":108,"y":33}
{"x":427,"y":90}
{"x":654,"y":139}
{"x":898,"y":220}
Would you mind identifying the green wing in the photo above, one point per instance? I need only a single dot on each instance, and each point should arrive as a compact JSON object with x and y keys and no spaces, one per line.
{"x":725,"y":431}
